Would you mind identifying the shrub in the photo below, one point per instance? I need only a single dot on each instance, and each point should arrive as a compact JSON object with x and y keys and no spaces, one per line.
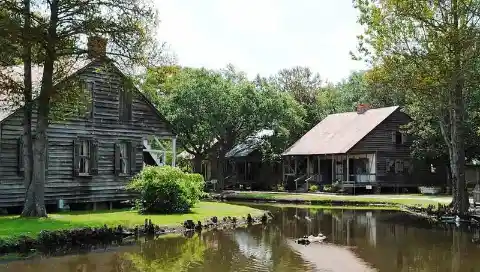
{"x":166,"y":189}
{"x":313,"y":188}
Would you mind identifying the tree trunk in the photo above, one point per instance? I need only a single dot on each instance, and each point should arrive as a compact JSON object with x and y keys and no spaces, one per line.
{"x":461,"y":201}
{"x":221,"y":168}
{"x":27,"y":114}
{"x":35,"y":195}
{"x":197,"y":164}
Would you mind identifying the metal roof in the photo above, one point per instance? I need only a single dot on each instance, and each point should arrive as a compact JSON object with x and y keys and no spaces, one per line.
{"x":251,"y":144}
{"x":338,"y":133}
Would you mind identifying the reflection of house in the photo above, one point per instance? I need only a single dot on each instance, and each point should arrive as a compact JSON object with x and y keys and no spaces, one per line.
{"x":363,"y":149}
{"x":247,"y":166}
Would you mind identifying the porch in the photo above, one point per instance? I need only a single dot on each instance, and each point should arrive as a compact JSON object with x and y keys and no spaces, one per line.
{"x":156,"y":149}
{"x":349,"y":170}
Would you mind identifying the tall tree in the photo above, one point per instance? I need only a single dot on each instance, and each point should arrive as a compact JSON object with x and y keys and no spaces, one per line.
{"x":304,"y":85}
{"x":189,"y":105}
{"x":65,"y":25}
{"x":434,"y":45}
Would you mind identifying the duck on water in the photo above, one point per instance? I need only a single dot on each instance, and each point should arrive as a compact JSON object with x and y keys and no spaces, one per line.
{"x":306,"y":240}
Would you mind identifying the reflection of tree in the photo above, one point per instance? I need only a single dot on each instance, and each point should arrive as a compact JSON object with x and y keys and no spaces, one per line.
{"x":168,"y":254}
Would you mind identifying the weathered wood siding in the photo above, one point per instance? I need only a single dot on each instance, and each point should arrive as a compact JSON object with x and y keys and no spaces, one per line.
{"x":105,"y":127}
{"x":379,"y":141}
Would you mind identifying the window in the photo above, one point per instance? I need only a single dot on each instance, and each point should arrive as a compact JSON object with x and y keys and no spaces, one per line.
{"x":399,"y":166}
{"x":361,"y":166}
{"x":399,"y":137}
{"x":124,"y":169}
{"x":125,"y":105}
{"x":85,"y":157}
{"x":125,"y":157}
{"x":390,"y":166}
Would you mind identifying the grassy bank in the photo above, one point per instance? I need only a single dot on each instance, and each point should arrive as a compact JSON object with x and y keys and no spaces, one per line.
{"x":344,"y":200}
{"x":13,"y":226}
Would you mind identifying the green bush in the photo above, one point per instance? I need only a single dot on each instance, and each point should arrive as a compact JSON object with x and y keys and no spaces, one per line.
{"x":313,"y":188}
{"x":166,"y":189}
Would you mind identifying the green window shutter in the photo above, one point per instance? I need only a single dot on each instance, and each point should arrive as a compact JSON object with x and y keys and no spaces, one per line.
{"x":76,"y":159}
{"x":117,"y":159}
{"x":20,"y":161}
{"x":133,"y":157}
{"x":94,"y":157}
{"x":46,"y":158}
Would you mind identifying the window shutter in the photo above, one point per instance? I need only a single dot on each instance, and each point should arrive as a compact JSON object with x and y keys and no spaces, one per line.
{"x":117,"y":159}
{"x":20,"y":162}
{"x":76,"y":159}
{"x":46,"y":159}
{"x":133,"y":157}
{"x":94,"y":157}
{"x":394,"y":138}
{"x":404,"y":138}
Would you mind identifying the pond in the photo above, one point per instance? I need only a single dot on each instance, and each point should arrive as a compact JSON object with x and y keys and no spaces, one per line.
{"x":357,"y":240}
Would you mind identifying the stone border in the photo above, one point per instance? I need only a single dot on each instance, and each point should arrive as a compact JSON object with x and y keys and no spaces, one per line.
{"x":51,"y":242}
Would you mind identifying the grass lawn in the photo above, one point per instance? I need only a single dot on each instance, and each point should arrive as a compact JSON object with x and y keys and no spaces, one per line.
{"x":325,"y":207}
{"x":393,"y":199}
{"x":12,"y":226}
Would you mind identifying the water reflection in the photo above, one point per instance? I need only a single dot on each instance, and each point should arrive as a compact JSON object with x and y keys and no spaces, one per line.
{"x":357,"y":241}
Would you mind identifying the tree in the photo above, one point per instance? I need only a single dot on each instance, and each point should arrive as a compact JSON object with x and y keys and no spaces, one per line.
{"x":128,"y":26}
{"x":189,"y":108}
{"x":432,"y":48}
{"x":304,"y":85}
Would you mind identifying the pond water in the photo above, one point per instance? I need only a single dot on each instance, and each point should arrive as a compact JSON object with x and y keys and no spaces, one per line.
{"x":356,"y":241}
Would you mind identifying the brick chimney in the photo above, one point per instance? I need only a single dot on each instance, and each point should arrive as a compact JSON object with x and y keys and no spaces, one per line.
{"x":362,"y":108}
{"x":97,"y":47}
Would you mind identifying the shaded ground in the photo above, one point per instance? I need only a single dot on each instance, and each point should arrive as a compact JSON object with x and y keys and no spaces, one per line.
{"x":12,"y":226}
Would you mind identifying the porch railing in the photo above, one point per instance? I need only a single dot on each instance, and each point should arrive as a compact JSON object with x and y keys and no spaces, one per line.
{"x":362,"y":178}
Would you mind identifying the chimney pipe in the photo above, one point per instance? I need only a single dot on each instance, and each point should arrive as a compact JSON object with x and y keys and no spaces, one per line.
{"x":97,"y":47}
{"x":362,"y":108}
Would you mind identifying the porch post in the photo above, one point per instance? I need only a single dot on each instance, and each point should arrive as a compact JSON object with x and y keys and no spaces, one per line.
{"x":319,"y":177}
{"x":333,"y":171}
{"x":348,"y":169}
{"x":174,"y":150}
{"x":296,"y":165}
{"x":308,"y":165}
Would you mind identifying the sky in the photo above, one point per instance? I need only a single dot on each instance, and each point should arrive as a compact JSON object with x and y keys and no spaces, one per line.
{"x":262,"y":36}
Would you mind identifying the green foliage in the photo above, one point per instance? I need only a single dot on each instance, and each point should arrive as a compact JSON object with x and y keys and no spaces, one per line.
{"x":313,"y":188}
{"x":166,"y":189}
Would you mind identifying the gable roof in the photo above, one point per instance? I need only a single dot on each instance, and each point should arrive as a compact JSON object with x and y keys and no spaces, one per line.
{"x":338,"y":133}
{"x":70,"y":69}
{"x":251,"y":144}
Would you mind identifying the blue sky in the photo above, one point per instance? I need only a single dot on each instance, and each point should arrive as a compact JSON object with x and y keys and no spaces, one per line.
{"x":262,"y":36}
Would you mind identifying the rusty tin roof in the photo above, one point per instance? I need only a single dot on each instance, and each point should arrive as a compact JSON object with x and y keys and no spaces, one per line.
{"x":338,"y":133}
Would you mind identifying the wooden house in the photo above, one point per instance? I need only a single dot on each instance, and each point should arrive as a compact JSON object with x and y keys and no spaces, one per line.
{"x":246,"y":166}
{"x":364,"y":149}
{"x":89,"y":158}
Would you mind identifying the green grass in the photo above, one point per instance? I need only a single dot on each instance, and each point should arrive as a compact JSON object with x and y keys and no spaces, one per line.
{"x":326,"y":207}
{"x":367,"y":199}
{"x":13,"y":226}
